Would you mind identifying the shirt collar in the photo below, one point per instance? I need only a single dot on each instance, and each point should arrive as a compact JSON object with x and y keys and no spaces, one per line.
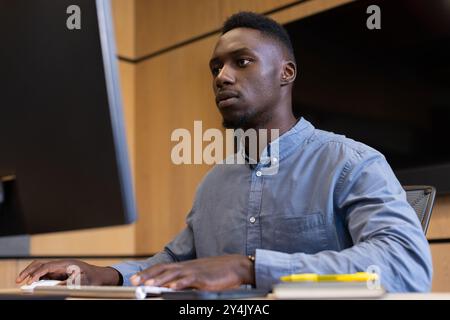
{"x":284,"y":145}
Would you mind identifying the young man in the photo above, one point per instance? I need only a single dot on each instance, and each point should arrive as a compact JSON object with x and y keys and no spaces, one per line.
{"x":333,"y":206}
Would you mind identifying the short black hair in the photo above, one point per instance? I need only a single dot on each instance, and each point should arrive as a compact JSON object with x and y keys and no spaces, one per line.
{"x":266,"y":25}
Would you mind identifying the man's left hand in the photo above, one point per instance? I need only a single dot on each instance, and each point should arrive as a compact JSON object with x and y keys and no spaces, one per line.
{"x":216,"y":273}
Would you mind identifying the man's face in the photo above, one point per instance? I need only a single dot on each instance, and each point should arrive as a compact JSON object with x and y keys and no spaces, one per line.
{"x":246,"y":68}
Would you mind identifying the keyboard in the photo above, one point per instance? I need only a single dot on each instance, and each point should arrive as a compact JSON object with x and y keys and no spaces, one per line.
{"x":118,"y":292}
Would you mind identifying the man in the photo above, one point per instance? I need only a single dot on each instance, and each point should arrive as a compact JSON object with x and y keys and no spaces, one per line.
{"x":333,"y":206}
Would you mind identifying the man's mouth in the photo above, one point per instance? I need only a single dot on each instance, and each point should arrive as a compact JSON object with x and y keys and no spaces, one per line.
{"x":226,"y":98}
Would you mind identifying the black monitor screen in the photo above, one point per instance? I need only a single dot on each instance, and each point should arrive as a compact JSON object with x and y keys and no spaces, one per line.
{"x":63,"y":156}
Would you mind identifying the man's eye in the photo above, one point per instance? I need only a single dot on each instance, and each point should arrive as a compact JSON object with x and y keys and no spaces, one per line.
{"x":243,"y":62}
{"x":215,"y":70}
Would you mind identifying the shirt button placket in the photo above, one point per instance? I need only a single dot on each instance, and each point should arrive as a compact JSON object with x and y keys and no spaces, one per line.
{"x":253,"y":227}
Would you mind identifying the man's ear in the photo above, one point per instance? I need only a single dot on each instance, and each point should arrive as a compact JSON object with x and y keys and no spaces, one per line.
{"x":288,"y":72}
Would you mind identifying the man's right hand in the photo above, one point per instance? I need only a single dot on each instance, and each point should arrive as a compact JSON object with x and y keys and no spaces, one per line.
{"x":63,"y":269}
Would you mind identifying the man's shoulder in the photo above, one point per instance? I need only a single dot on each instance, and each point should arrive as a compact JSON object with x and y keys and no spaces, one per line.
{"x":341,"y":145}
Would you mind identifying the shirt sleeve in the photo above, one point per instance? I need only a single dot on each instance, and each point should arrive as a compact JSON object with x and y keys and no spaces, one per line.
{"x":386,"y":233}
{"x":179,"y":249}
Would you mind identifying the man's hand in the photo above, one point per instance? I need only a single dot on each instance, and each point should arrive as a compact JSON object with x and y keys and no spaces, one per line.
{"x":63,"y":269}
{"x":215,"y":273}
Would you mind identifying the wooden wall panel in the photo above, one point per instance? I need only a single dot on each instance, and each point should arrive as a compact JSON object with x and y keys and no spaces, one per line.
{"x":441,"y":265}
{"x":163,"y":23}
{"x":124,"y":26}
{"x":439,"y":227}
{"x":305,"y":9}
{"x":99,"y":241}
{"x":8,"y":273}
{"x":173,"y":90}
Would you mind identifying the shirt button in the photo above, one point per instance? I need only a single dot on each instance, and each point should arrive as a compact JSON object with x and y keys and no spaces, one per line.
{"x":274,"y":160}
{"x":252,"y":219}
{"x":258,"y":173}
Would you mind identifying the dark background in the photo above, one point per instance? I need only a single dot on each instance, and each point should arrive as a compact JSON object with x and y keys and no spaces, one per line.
{"x":388,"y":88}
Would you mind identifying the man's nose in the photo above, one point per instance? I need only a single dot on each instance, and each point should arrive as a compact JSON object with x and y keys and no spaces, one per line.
{"x":225,"y":77}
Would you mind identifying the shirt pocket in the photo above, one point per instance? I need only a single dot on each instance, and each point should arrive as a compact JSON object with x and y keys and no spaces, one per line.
{"x":306,"y":233}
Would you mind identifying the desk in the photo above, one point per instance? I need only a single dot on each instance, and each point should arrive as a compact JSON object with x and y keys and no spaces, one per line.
{"x":418,"y":296}
{"x":390,"y":296}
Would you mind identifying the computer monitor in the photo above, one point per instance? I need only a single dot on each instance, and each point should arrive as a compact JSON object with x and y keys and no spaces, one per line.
{"x":63,"y":154}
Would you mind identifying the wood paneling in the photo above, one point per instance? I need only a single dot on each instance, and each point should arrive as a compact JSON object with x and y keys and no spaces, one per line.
{"x":163,"y":23}
{"x":173,"y":90}
{"x":8,"y":273}
{"x":441,"y":266}
{"x":440,"y":219}
{"x":124,"y":26}
{"x":305,"y":9}
{"x":100,"y":241}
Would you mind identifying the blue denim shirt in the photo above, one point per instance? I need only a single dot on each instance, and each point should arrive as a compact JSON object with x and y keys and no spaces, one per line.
{"x":334,"y":206}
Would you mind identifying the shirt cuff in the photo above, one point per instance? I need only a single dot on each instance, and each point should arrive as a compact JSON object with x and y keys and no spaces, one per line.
{"x":120,"y":282}
{"x":270,"y":266}
{"x":126,"y":270}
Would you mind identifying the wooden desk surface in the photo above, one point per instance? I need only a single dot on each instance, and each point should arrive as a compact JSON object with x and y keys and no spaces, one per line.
{"x":391,"y":296}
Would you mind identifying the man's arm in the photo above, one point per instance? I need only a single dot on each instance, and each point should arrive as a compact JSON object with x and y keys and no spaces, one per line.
{"x":180,"y":249}
{"x":384,"y":228}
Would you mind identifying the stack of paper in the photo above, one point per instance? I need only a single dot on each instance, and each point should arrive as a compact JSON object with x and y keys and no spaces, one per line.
{"x":326,"y":290}
{"x":359,"y":285}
